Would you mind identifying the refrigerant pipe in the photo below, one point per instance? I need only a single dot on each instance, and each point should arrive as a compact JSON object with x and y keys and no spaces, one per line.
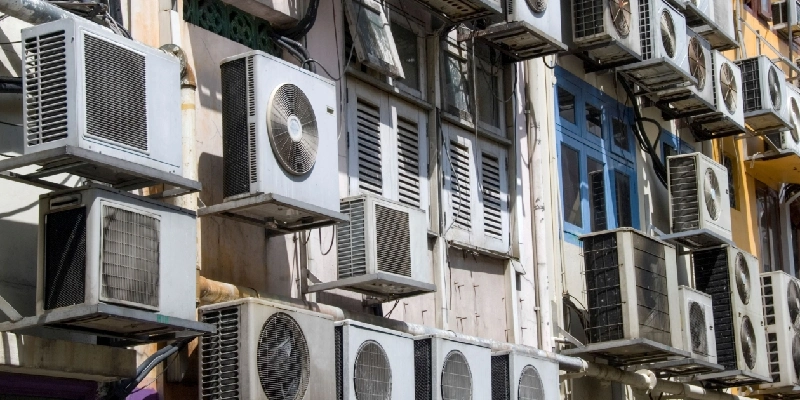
{"x":33,"y":11}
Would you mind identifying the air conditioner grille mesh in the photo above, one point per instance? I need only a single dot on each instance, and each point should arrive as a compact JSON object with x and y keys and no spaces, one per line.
{"x":751,"y":83}
{"x":46,"y":88}
{"x":698,"y":329}
{"x":64,"y":258}
{"x":530,"y":384}
{"x":501,"y":389}
{"x":373,"y":374}
{"x":282,"y":358}
{"x":236,"y":146}
{"x":408,"y":162}
{"x":116,"y":95}
{"x":456,"y":377}
{"x":338,"y":344}
{"x":712,"y":277}
{"x":646,"y":29}
{"x":393,"y":239}
{"x":773,"y":357}
{"x":588,"y":17}
{"x":352,"y":241}
{"x":603,"y":293}
{"x":768,"y":300}
{"x":422,"y":369}
{"x":684,"y":190}
{"x":131,"y":248}
{"x":219,"y":355}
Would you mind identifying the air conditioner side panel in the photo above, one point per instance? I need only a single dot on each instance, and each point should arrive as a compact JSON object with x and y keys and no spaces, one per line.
{"x":543,"y":21}
{"x":671,"y":261}
{"x":627,"y":283}
{"x":420,"y":267}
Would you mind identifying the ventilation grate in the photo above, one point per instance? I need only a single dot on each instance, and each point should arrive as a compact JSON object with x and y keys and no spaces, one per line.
{"x":456,"y":377}
{"x":646,"y":29}
{"x":64,"y":258}
{"x":422,"y":369}
{"x":768,"y":297}
{"x":131,"y":248}
{"x":46,"y":88}
{"x":588,"y":17}
{"x":683,"y":190}
{"x":408,"y":162}
{"x":650,"y":270}
{"x":236,"y":143}
{"x":393,"y":239}
{"x":751,"y":83}
{"x":219,"y":355}
{"x":530,"y":384}
{"x":373,"y":375}
{"x":501,"y":389}
{"x":492,"y":200}
{"x":370,"y":172}
{"x":116,"y":95}
{"x":337,"y":335}
{"x":282,"y":358}
{"x":351,"y":242}
{"x":597,"y":200}
{"x":604,"y":295}
{"x":773,"y":357}
{"x":697,"y":328}
{"x":712,"y":277}
{"x":460,"y":184}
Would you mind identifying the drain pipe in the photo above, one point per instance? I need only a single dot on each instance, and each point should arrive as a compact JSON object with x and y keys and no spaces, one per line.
{"x":33,"y":11}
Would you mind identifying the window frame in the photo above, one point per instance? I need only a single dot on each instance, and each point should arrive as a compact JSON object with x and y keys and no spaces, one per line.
{"x":672,"y":140}
{"x":391,"y":68}
{"x":410,"y":23}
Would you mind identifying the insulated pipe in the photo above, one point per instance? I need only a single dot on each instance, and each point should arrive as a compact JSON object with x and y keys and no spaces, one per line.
{"x":212,"y":292}
{"x":33,"y":11}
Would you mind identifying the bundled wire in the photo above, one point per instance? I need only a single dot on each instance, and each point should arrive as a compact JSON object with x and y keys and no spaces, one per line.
{"x":641,"y":135}
{"x":304,"y":25}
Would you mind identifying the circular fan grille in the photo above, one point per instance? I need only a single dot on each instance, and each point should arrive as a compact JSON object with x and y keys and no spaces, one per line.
{"x":793,"y":298}
{"x":668,"y":33}
{"x":456,"y":377}
{"x":796,"y":354}
{"x":749,"y":350}
{"x":697,"y":328}
{"x":711,"y":193}
{"x":282,"y":359}
{"x":620,"y":15}
{"x":373,"y":375}
{"x":728,"y":87}
{"x":742,"y":278}
{"x":697,"y":62}
{"x":795,"y":131}
{"x":774,"y":88}
{"x":530,"y":384}
{"x":292,"y":129}
{"x":537,"y":6}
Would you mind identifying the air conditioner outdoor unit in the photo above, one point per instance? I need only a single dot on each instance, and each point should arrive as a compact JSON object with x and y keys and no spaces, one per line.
{"x":784,"y":15}
{"x":449,"y":368}
{"x":528,"y":30}
{"x":98,"y":245}
{"x":764,"y":86}
{"x":608,"y":31}
{"x":697,"y":322}
{"x":699,"y":202}
{"x":279,"y":136}
{"x":382,"y":249}
{"x":464,"y":10}
{"x":87,"y":87}
{"x":789,"y":140}
{"x":665,"y":61}
{"x":728,"y":100}
{"x":627,"y":272}
{"x":713,"y":19}
{"x":781,"y":298}
{"x":373,"y":362}
{"x":517,"y":375}
{"x":697,"y":98}
{"x":730,"y":276}
{"x":263,"y":351}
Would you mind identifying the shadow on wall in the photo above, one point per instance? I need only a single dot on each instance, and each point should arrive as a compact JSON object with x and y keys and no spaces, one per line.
{"x":18,"y":264}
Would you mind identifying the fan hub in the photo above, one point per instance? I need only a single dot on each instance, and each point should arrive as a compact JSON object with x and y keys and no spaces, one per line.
{"x":295,"y":128}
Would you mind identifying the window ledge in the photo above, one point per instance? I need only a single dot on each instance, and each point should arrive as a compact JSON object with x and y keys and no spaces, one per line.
{"x":469,"y":126}
{"x":484,"y":252}
{"x":354,"y":73}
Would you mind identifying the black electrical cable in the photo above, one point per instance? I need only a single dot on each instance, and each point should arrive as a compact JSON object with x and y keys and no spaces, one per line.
{"x":641,"y":135}
{"x":304,"y":25}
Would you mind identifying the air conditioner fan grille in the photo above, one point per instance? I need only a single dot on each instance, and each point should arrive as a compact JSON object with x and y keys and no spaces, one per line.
{"x":793,"y":298}
{"x":373,"y":374}
{"x":293,"y":129}
{"x":743,"y":278}
{"x":282,"y":358}
{"x":697,"y":328}
{"x":712,"y":193}
{"x":456,"y":377}
{"x":748,"y":343}
{"x":729,"y":88}
{"x":530,"y":384}
{"x":697,"y":62}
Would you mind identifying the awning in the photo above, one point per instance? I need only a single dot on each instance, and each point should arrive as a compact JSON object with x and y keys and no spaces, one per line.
{"x":774,"y":168}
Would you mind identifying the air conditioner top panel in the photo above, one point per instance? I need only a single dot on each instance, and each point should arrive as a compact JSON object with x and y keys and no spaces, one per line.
{"x":284,"y":63}
{"x":777,"y":273}
{"x":380,"y":198}
{"x":108,"y":189}
{"x":694,"y":291}
{"x":530,"y":353}
{"x":623,"y":230}
{"x":365,"y":326}
{"x":265,"y":303}
{"x":458,"y":339}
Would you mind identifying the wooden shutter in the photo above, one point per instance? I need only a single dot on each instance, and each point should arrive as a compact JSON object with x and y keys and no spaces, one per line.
{"x":408,"y":162}
{"x":370,"y":172}
{"x":492,"y":200}
{"x":460,"y":184}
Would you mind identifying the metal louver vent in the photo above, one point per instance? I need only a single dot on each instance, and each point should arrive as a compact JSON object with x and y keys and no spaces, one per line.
{"x":773,"y":357}
{"x":460,"y":184}
{"x":620,"y":15}
{"x":768,"y":300}
{"x":530,"y":384}
{"x":408,"y":162}
{"x":131,"y":261}
{"x":752,"y":85}
{"x":422,"y":370}
{"x":116,"y":95}
{"x":456,"y":377}
{"x":338,"y":345}
{"x":370,"y":171}
{"x":597,"y":200}
{"x":501,"y":383}
{"x":219,"y":355}
{"x":698,"y":329}
{"x":728,"y":87}
{"x":352,"y":253}
{"x":774,"y":84}
{"x":793,"y":300}
{"x":683,"y":189}
{"x":712,"y":277}
{"x":748,"y":342}
{"x":492,"y":200}
{"x":252,"y":145}
{"x":646,"y":29}
{"x":668,"y":39}
{"x":282,"y":358}
{"x":64,"y":258}
{"x":373,"y":375}
{"x":237,"y":146}
{"x":712,"y":193}
{"x":393,"y":239}
{"x":46,"y":88}
{"x":742,"y":278}
{"x":588,"y":17}
{"x":697,"y":62}
{"x":292,"y":129}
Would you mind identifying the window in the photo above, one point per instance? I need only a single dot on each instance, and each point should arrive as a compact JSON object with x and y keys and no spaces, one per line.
{"x":769,"y":226}
{"x":598,"y":176}
{"x":408,"y":49}
{"x":372,"y":37}
{"x":672,"y":145}
{"x":728,"y":164}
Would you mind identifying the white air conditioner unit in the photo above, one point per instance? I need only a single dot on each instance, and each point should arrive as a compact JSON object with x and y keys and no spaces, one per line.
{"x":99,"y":245}
{"x":728,"y":100}
{"x":789,"y":140}
{"x":382,"y":249}
{"x":697,"y":323}
{"x":448,"y":368}
{"x":279,"y":136}
{"x":697,"y":98}
{"x":608,"y":31}
{"x":279,"y":14}
{"x":781,"y":298}
{"x":518,"y":375}
{"x":713,"y":19}
{"x":264,"y":351}
{"x":665,"y":61}
{"x":528,"y":30}
{"x":699,"y":202}
{"x":639,"y":273}
{"x":87,"y":87}
{"x":730,"y":276}
{"x":764,"y":86}
{"x":464,"y":10}
{"x":784,"y":15}
{"x":373,"y":362}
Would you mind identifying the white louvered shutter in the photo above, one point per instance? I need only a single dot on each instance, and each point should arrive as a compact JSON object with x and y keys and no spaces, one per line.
{"x":460,"y":184}
{"x":408,"y":162}
{"x":492,"y":195}
{"x":370,"y":167}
